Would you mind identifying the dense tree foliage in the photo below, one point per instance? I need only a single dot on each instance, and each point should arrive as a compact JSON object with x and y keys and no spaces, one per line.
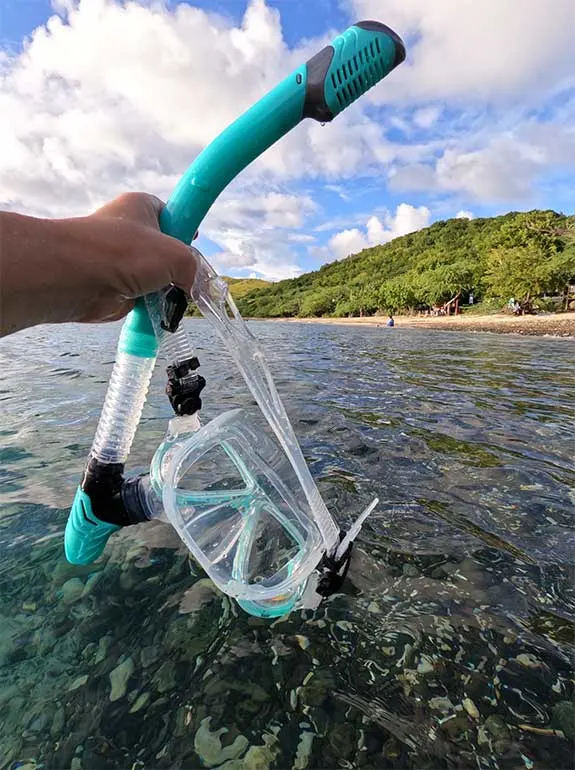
{"x":518,"y":255}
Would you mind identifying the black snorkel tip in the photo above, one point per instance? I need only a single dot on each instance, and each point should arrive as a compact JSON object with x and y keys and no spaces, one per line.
{"x":383,"y":29}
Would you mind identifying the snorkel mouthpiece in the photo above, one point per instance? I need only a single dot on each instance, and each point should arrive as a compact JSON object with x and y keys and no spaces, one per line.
{"x":241,"y":497}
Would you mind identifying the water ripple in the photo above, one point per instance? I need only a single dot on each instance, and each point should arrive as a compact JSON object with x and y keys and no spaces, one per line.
{"x":452,"y":640}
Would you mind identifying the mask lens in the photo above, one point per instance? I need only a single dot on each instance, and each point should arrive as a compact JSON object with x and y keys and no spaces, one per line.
{"x":229,"y":493}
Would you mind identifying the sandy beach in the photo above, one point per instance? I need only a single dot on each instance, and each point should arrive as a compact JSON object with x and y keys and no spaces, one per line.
{"x":556,"y":325}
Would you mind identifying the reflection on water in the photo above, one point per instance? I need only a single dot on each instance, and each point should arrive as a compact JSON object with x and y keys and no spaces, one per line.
{"x":451,"y":643}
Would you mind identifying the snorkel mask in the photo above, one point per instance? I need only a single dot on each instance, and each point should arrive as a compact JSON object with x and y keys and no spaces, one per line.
{"x":239,"y":494}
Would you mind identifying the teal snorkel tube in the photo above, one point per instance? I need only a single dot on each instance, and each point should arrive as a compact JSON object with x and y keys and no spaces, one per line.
{"x":105,"y":501}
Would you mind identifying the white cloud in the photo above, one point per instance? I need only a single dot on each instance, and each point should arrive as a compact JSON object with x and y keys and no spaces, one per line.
{"x":400,"y":124}
{"x":338,"y":190}
{"x":272,"y":210}
{"x":506,"y":168}
{"x":249,"y":229}
{"x":497,"y":172}
{"x":463,"y":214}
{"x":300,"y":238}
{"x":346,"y":242}
{"x":407,"y":219}
{"x":416,"y":176}
{"x":426,"y":116}
{"x":469,"y":50}
{"x":111,"y":96}
{"x":261,"y":253}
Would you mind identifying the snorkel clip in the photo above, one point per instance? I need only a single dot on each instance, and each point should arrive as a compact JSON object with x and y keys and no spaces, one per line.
{"x":184,"y":387}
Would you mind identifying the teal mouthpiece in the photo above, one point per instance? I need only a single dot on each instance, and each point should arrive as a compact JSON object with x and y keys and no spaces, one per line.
{"x":86,"y":536}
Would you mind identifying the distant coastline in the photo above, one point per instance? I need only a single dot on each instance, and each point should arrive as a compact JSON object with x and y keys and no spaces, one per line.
{"x":551,"y":324}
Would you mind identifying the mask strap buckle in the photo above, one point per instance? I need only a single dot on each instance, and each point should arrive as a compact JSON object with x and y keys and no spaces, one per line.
{"x":333,"y":571}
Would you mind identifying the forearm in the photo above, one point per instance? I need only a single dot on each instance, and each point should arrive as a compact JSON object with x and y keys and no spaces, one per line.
{"x":28,"y":247}
{"x":86,"y":269}
{"x":54,"y":270}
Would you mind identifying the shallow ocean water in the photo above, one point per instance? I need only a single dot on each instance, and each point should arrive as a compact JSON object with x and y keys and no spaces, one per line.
{"x":451,"y":644}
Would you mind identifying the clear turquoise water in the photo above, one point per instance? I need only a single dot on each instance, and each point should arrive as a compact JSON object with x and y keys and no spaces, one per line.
{"x":451,"y":644}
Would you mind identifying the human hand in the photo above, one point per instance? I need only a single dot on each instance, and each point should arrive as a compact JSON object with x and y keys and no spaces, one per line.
{"x":140,"y":258}
{"x":88,"y":269}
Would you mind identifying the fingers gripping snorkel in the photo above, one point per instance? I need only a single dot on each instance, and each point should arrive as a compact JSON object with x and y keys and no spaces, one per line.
{"x":241,"y":497}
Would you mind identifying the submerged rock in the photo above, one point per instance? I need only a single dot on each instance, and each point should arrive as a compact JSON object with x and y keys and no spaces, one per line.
{"x":425,"y":665}
{"x":202,"y":592}
{"x":89,"y":650}
{"x":165,"y":677}
{"x":149,"y":655}
{"x":410,"y":570}
{"x":91,"y":583}
{"x":208,"y":745}
{"x":10,"y":751}
{"x":341,"y":740}
{"x":7,"y":646}
{"x":103,"y":645}
{"x":39,"y":723}
{"x":63,"y":571}
{"x":303,"y":751}
{"x":471,"y":708}
{"x":496,"y":727}
{"x":29,"y":764}
{"x":58,"y":722}
{"x":563,"y":718}
{"x":72,"y":590}
{"x":78,"y":682}
{"x":119,"y":679}
{"x":316,"y":688}
{"x":256,"y":758}
{"x":441,"y":704}
{"x":140,"y":702}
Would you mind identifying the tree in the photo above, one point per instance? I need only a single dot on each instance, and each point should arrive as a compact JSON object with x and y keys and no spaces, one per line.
{"x":288,"y":307}
{"x":542,"y":229}
{"x":320,"y":302}
{"x":515,"y":272}
{"x":559,"y":271}
{"x":398,"y":294}
{"x":444,"y":282}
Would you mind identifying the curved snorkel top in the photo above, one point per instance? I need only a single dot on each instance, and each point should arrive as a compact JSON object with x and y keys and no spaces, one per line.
{"x":320,"y":89}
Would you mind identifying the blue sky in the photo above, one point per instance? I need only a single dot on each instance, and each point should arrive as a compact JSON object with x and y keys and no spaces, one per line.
{"x":478,"y":121}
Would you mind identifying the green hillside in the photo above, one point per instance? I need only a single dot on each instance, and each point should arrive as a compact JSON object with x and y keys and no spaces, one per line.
{"x":239,"y":287}
{"x":519,"y":255}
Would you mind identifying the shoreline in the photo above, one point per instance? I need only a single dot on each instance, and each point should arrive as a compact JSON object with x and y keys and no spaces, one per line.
{"x":549,"y":325}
